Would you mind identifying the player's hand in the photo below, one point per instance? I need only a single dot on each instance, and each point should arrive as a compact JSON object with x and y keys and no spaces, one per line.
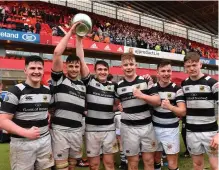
{"x":138,"y":94}
{"x":214,"y":142}
{"x":120,"y":108}
{"x":32,"y":133}
{"x":165,"y":104}
{"x":72,"y":30}
{"x":147,"y":77}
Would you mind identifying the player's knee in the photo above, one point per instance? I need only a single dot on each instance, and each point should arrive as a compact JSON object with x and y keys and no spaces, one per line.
{"x":60,"y":165}
{"x":109,"y":164}
{"x":133,"y":165}
{"x":172,"y":165}
{"x":94,"y":165}
{"x":149,"y":162}
{"x":198,"y":163}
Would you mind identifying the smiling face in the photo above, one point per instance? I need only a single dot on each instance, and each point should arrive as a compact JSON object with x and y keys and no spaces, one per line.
{"x":34,"y":71}
{"x":101,"y":72}
{"x":164,"y":73}
{"x":73,"y":69}
{"x":129,"y":68}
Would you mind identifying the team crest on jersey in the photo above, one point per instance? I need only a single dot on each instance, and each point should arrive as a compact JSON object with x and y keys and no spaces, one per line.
{"x":109,"y":87}
{"x":169,"y":95}
{"x":44,"y":98}
{"x":82,"y":88}
{"x":202,"y":88}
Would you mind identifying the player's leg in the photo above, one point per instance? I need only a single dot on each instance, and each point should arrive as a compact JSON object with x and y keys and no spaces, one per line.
{"x":158,"y":153}
{"x":149,"y":145}
{"x":108,"y":161}
{"x":212,"y":152}
{"x":171,"y":144}
{"x":93,"y":147}
{"x":131,"y":145}
{"x":60,"y":148}
{"x":148,"y":159}
{"x":213,"y":160}
{"x":20,"y":154}
{"x":75,"y":141}
{"x":172,"y":161}
{"x":123,"y":160}
{"x":133,"y":162}
{"x":110,"y":146}
{"x":194,"y":143}
{"x":198,"y":162}
{"x":45,"y":158}
{"x":157,"y":160}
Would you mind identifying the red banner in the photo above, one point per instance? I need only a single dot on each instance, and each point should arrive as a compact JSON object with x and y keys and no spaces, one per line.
{"x":104,"y":47}
{"x":88,"y":44}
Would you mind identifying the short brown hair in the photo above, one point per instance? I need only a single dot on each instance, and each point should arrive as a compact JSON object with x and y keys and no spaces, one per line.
{"x":128,"y":56}
{"x":163,"y":63}
{"x":194,"y":56}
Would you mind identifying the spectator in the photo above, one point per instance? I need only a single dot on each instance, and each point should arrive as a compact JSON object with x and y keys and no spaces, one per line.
{"x":38,"y":27}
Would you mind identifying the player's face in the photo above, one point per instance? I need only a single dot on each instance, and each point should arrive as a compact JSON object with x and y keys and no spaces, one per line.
{"x":101,"y":72}
{"x":129,"y":67}
{"x":73,"y":69}
{"x":165,"y":73}
{"x":193,"y":68}
{"x":34,"y":71}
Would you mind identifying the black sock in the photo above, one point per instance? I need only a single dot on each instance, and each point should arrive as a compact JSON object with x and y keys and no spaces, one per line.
{"x":157,"y":166}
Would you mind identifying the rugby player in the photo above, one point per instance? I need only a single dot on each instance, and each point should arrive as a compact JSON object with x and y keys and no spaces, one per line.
{"x":165,"y":117}
{"x":100,"y":132}
{"x":24,"y":114}
{"x":137,"y":132}
{"x":69,"y":100}
{"x":201,"y":92}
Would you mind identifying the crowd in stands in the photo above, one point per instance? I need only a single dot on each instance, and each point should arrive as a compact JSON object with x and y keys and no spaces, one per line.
{"x":43,"y":18}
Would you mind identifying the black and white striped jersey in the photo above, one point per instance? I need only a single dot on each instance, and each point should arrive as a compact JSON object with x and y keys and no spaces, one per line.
{"x":164,"y":117}
{"x":200,"y":98}
{"x":69,"y":98}
{"x":135,"y":111}
{"x":100,"y":101}
{"x":29,"y":106}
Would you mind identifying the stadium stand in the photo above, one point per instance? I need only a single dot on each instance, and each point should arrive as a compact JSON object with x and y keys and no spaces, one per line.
{"x":55,"y":20}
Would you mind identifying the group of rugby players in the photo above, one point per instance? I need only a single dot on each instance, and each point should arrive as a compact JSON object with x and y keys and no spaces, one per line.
{"x":24,"y":113}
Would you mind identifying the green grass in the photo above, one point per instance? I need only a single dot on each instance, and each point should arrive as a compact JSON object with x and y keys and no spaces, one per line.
{"x":184,"y":163}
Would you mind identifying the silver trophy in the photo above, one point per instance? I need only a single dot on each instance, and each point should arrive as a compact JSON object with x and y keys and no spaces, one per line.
{"x":86,"y":24}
